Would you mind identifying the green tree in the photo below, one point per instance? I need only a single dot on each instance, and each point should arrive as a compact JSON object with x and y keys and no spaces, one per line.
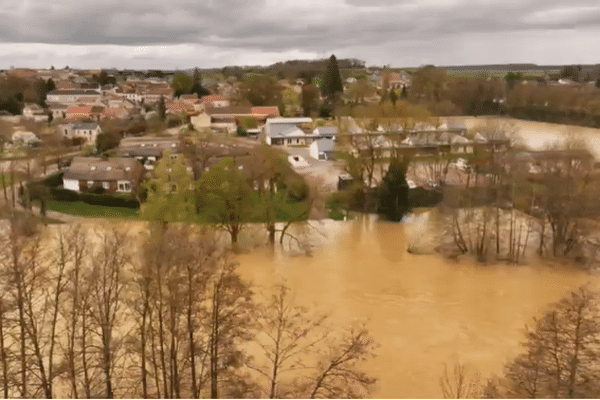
{"x":261,"y":90}
{"x":310,"y":99}
{"x":224,"y":197}
{"x":161,"y":109}
{"x":513,"y":78}
{"x":182,"y":83}
{"x":50,"y":85}
{"x":197,"y":84}
{"x":571,"y":72}
{"x":170,"y":196}
{"x":393,"y":192}
{"x":333,"y":80}
{"x":393,"y":96}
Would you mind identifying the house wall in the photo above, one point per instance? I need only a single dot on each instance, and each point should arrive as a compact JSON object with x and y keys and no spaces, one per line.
{"x":71,"y":184}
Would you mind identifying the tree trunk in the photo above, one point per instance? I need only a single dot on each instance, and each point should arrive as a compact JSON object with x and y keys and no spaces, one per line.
{"x":3,"y":354}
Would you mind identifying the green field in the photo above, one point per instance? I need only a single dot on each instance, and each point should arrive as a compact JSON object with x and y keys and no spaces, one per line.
{"x":81,"y":209}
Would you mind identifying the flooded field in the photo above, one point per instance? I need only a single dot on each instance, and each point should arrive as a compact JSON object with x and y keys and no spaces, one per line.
{"x":423,"y":310}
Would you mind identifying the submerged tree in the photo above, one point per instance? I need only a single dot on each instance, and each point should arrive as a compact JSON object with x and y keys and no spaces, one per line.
{"x":393,"y":192}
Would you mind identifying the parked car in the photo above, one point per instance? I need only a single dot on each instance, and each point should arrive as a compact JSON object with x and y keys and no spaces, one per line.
{"x":297,"y":161}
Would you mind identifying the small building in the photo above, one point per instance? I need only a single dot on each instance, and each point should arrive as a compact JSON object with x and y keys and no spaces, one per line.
{"x":149,"y":149}
{"x":285,"y":131}
{"x":322,"y":149}
{"x":113,"y":175}
{"x":24,"y":138}
{"x":85,"y":131}
{"x":73,"y":95}
{"x":58,"y":110}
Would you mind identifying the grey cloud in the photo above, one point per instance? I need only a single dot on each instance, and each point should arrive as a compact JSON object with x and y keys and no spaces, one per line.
{"x":239,"y":25}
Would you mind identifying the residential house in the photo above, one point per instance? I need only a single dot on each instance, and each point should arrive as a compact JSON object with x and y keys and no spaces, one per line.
{"x":228,"y":118}
{"x":85,"y":131}
{"x":327,"y":132}
{"x":286,"y":131}
{"x":35,"y":112}
{"x":149,"y":149}
{"x":113,"y":175}
{"x":24,"y":138}
{"x":115,"y":113}
{"x":85,"y":112}
{"x":214,"y":100}
{"x":58,"y":110}
{"x":73,"y":95}
{"x":492,"y":141}
{"x":322,"y":149}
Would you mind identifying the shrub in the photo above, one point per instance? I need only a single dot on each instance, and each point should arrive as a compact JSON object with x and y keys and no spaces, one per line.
{"x":241,"y":131}
{"x":109,"y":200}
{"x":61,"y":194}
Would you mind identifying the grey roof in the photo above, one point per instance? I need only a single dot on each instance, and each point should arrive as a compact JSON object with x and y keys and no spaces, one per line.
{"x":492,"y":136}
{"x":100,"y":169}
{"x":74,"y":92}
{"x":326,"y":130}
{"x":84,"y":125}
{"x":148,"y":146}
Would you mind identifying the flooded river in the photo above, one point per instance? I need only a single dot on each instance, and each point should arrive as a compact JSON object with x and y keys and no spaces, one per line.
{"x":423,"y":310}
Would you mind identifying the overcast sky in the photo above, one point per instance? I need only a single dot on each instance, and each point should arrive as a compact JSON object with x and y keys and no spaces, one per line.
{"x":148,"y":34}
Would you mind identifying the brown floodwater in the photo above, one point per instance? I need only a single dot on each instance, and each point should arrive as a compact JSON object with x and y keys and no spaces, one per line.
{"x":422,"y":309}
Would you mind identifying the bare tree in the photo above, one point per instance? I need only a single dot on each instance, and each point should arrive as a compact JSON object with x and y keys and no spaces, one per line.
{"x":106,"y":289}
{"x":289,"y":334}
{"x":459,"y":383}
{"x":338,"y":374}
{"x":560,"y":353}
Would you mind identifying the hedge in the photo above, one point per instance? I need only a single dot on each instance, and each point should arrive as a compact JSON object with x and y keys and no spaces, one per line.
{"x":109,"y":200}
{"x":60,"y":194}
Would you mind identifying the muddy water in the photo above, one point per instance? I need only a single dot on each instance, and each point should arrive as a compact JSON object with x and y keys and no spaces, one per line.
{"x":422,"y":310}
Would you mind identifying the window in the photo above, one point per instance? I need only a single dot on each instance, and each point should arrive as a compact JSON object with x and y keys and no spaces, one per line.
{"x":90,"y":183}
{"x":105,"y":185}
{"x":124,"y":187}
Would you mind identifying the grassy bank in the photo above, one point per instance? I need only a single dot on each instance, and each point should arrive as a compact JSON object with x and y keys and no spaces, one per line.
{"x":81,"y":209}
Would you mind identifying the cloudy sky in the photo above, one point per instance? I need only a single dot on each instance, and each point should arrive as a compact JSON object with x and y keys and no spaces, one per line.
{"x":147,"y":34}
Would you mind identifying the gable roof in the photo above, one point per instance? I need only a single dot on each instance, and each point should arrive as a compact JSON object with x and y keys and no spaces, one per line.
{"x":99,"y":169}
{"x":212,"y":97}
{"x":84,"y":125}
{"x":269,"y":110}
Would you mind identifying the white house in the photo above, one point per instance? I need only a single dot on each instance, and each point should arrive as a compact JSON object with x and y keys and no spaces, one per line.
{"x":74,"y":95}
{"x":321,"y":149}
{"x":35,"y":112}
{"x":82,"y":130}
{"x":285,"y":130}
{"x":24,"y":138}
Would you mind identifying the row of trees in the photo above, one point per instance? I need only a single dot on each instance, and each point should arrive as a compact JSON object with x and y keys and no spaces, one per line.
{"x":505,"y":204}
{"x":263,"y":189}
{"x":85,"y":314}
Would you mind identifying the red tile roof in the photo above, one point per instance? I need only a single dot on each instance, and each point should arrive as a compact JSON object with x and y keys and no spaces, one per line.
{"x":212,"y":97}
{"x":269,"y":111}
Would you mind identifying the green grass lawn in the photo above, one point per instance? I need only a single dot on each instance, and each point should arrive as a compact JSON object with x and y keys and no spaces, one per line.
{"x":81,"y":209}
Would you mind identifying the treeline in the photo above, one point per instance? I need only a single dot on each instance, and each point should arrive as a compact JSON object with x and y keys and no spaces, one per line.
{"x":560,"y":357}
{"x":15,"y":92}
{"x":515,"y":95}
{"x":86,"y":315}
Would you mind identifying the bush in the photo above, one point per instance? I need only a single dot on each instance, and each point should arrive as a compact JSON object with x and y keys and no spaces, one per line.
{"x":109,"y":200}
{"x":53,"y":180}
{"x":241,"y":131}
{"x":61,"y":194}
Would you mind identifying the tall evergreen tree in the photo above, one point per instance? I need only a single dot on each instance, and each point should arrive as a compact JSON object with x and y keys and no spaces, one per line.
{"x":197,"y":84}
{"x":393,"y":192}
{"x":333,"y":81}
{"x":162,"y":109}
